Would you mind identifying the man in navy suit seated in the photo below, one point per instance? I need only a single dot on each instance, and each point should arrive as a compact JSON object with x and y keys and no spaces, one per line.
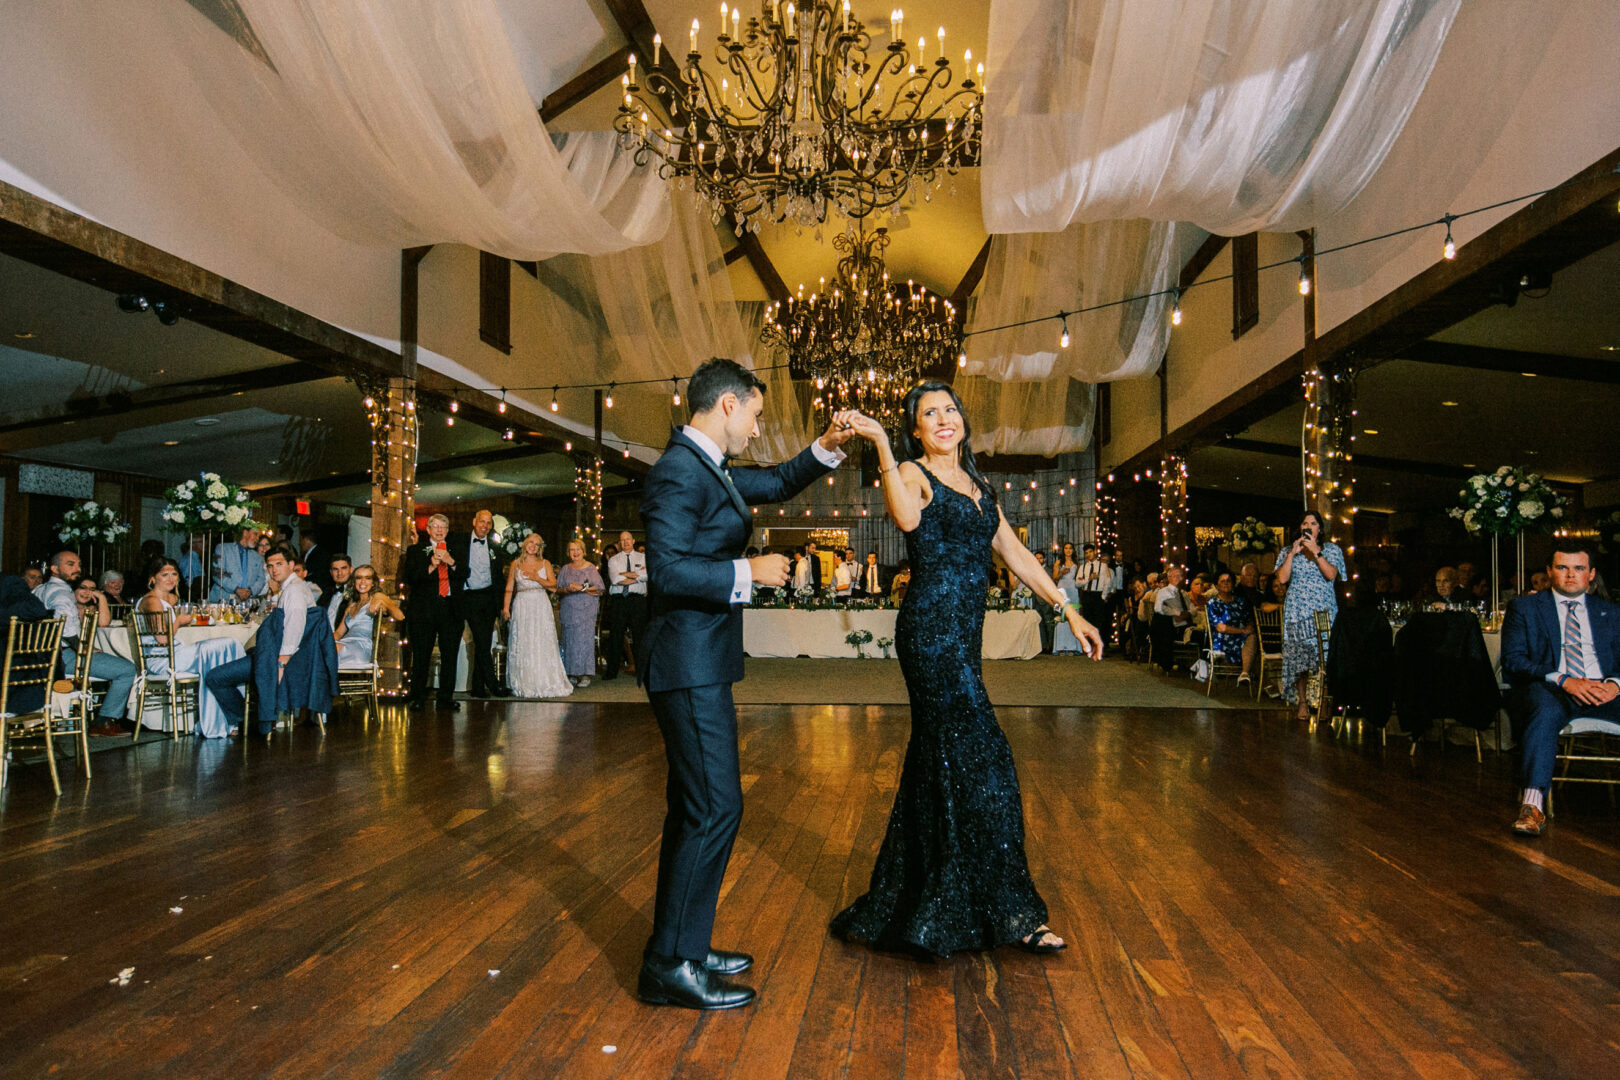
{"x":696,"y":510}
{"x":1561,"y":653}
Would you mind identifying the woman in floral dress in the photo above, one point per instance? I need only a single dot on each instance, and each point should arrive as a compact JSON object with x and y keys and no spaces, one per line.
{"x":1308,"y":567}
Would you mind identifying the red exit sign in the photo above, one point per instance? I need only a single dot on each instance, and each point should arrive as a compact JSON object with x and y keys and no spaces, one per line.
{"x":303,"y":507}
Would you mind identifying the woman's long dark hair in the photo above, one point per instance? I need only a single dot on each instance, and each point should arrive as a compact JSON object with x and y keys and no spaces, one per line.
{"x":911,"y":447}
{"x":1322,"y":536}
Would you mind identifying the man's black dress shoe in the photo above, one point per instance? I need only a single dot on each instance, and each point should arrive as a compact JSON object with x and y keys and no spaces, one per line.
{"x":448,"y":706}
{"x":722,"y":962}
{"x":499,"y":691}
{"x":688,"y":986}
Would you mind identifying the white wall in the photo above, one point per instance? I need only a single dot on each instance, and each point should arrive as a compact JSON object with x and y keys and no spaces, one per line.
{"x":99,"y":115}
{"x":1524,"y":96}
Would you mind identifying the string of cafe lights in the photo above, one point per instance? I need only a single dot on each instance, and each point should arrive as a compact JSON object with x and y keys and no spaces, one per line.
{"x":1448,"y":252}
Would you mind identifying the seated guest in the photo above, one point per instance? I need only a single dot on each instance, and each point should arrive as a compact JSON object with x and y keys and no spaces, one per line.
{"x":362,"y":603}
{"x":198,"y":658}
{"x":1480,"y":592}
{"x":1248,"y":585}
{"x":78,"y":604}
{"x":336,"y":598}
{"x":293,"y":664}
{"x":1171,"y":619}
{"x":112,"y":584}
{"x":1539,"y":582}
{"x":17,"y":601}
{"x":1198,"y":593}
{"x":1231,"y":625}
{"x":238,"y":569}
{"x":1465,"y":578}
{"x":266,"y":542}
{"x":1561,"y":655}
{"x":1276,"y":593}
{"x":33,"y":576}
{"x":1443,"y":593}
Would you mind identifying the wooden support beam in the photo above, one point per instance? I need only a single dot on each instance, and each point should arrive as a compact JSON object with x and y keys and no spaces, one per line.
{"x":1200,"y":260}
{"x":605,"y":71}
{"x":123,"y":402}
{"x":1487,"y":358}
{"x":40,"y":232}
{"x":970,"y":280}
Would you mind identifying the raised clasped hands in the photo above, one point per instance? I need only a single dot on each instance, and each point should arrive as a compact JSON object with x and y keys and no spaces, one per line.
{"x":1591,"y":691}
{"x":842,"y":428}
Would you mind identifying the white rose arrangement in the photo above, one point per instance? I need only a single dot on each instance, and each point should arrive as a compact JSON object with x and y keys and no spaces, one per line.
{"x":91,"y":523}
{"x":208,"y":504}
{"x":1507,"y":502}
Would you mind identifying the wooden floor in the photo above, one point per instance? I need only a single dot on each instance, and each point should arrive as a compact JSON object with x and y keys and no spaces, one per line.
{"x":470,"y":898}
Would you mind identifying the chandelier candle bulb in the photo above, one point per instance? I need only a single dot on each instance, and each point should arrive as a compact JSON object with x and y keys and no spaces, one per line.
{"x":693,"y":50}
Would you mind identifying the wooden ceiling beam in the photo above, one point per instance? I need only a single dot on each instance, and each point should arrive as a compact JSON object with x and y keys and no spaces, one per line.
{"x":122,"y":403}
{"x":605,"y":71}
{"x":1488,"y":358}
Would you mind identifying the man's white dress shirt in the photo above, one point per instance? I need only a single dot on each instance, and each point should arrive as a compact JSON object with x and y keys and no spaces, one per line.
{"x":742,"y":581}
{"x":478,"y":564}
{"x":297,"y":596}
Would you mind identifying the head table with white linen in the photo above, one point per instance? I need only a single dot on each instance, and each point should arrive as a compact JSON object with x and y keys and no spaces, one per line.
{"x":787,"y":632}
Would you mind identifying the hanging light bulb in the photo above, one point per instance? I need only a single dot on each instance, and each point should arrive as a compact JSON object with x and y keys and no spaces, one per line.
{"x":370,"y":401}
{"x":961,"y":359}
{"x":455,"y":405}
{"x":501,"y":407}
{"x":1175,"y":310}
{"x":553,"y":399}
{"x":608,"y":401}
{"x":449,"y":421}
{"x":1450,"y":250}
{"x":676,"y":383}
{"x":1304,"y":279}
{"x":1063,"y":342}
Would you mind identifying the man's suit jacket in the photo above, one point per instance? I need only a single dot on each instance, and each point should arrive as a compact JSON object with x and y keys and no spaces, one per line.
{"x":884,"y":578}
{"x":318,"y":568}
{"x":459,"y":544}
{"x":423,"y":579}
{"x":1533,"y":642}
{"x":698,"y":523}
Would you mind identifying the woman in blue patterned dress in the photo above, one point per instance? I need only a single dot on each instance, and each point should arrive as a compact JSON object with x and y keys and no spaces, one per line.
{"x":1309,"y":567}
{"x":1231,"y":625}
{"x":951,"y":874}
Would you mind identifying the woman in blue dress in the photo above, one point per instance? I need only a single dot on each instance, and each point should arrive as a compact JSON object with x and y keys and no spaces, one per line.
{"x":357,"y":623}
{"x":1231,"y":626}
{"x":1309,"y":567}
{"x":951,"y":874}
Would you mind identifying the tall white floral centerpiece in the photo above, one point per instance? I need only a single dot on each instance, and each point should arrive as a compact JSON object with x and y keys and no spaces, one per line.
{"x":91,"y":527}
{"x":1511,"y":501}
{"x":209,"y":507}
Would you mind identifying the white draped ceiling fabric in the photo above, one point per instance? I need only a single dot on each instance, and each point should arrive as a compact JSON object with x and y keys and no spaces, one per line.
{"x":1233,"y":115}
{"x":407,"y":122}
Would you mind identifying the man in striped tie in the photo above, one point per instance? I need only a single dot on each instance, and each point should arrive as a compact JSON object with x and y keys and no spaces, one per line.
{"x":1561,"y":654}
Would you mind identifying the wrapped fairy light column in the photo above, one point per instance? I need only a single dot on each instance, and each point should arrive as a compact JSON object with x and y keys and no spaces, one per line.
{"x":1173,"y":509}
{"x":391,"y":409}
{"x":588,"y":503}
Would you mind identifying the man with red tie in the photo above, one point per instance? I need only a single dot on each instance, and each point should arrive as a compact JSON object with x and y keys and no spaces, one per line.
{"x":433,"y":613}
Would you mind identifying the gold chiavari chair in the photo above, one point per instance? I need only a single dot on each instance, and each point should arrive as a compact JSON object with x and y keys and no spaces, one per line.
{"x":1268,"y":628}
{"x":1322,"y":626}
{"x":363,"y":681}
{"x":152,"y":635}
{"x":32,"y":649}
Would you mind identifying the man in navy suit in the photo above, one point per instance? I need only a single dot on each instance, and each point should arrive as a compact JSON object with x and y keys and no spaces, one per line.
{"x":697,"y":516}
{"x":1561,"y":653}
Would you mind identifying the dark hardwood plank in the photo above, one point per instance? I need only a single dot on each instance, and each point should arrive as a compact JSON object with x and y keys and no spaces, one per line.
{"x":1241,"y":899}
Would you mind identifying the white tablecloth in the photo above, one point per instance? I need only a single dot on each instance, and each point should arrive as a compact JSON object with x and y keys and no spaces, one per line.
{"x":1008,"y":635}
{"x":115,"y":639}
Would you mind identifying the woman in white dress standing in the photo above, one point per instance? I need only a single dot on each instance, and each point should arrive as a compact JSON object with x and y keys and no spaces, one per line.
{"x":534,"y":664}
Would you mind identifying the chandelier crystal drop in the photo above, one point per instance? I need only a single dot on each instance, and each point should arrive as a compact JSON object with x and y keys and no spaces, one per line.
{"x":803,"y":110}
{"x":865,"y":340}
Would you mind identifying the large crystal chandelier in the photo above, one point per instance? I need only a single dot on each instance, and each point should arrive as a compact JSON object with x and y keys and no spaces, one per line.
{"x":863,"y":338}
{"x":810,"y":111}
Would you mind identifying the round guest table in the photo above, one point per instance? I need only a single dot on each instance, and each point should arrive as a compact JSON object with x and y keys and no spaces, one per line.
{"x":116,"y":639}
{"x":787,"y":632}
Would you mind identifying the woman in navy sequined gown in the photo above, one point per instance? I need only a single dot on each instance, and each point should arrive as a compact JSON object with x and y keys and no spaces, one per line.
{"x":951,"y":874}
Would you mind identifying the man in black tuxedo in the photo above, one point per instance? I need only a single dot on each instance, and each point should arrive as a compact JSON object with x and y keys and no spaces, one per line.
{"x":698,"y":521}
{"x":1561,"y":654}
{"x":482,"y":594}
{"x":874,"y":583}
{"x":435,"y":577}
{"x":317,"y":563}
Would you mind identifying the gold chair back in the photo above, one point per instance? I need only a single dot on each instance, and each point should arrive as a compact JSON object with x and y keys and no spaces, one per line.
{"x":32,"y":649}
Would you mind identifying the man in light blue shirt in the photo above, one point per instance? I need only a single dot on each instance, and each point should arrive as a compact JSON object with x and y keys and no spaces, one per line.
{"x":57,"y":595}
{"x":239,"y":569}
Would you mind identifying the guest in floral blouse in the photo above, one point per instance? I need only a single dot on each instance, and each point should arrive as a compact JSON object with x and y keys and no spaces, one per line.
{"x":1231,"y":625}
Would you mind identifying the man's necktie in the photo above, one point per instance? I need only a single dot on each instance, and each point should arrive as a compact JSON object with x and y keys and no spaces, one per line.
{"x":1574,"y":647}
{"x":444,"y":574}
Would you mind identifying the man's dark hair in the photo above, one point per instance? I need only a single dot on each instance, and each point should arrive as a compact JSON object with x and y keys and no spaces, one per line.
{"x":343,"y":557}
{"x":715,"y":379}
{"x":285,"y":552}
{"x":1568,"y":545}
